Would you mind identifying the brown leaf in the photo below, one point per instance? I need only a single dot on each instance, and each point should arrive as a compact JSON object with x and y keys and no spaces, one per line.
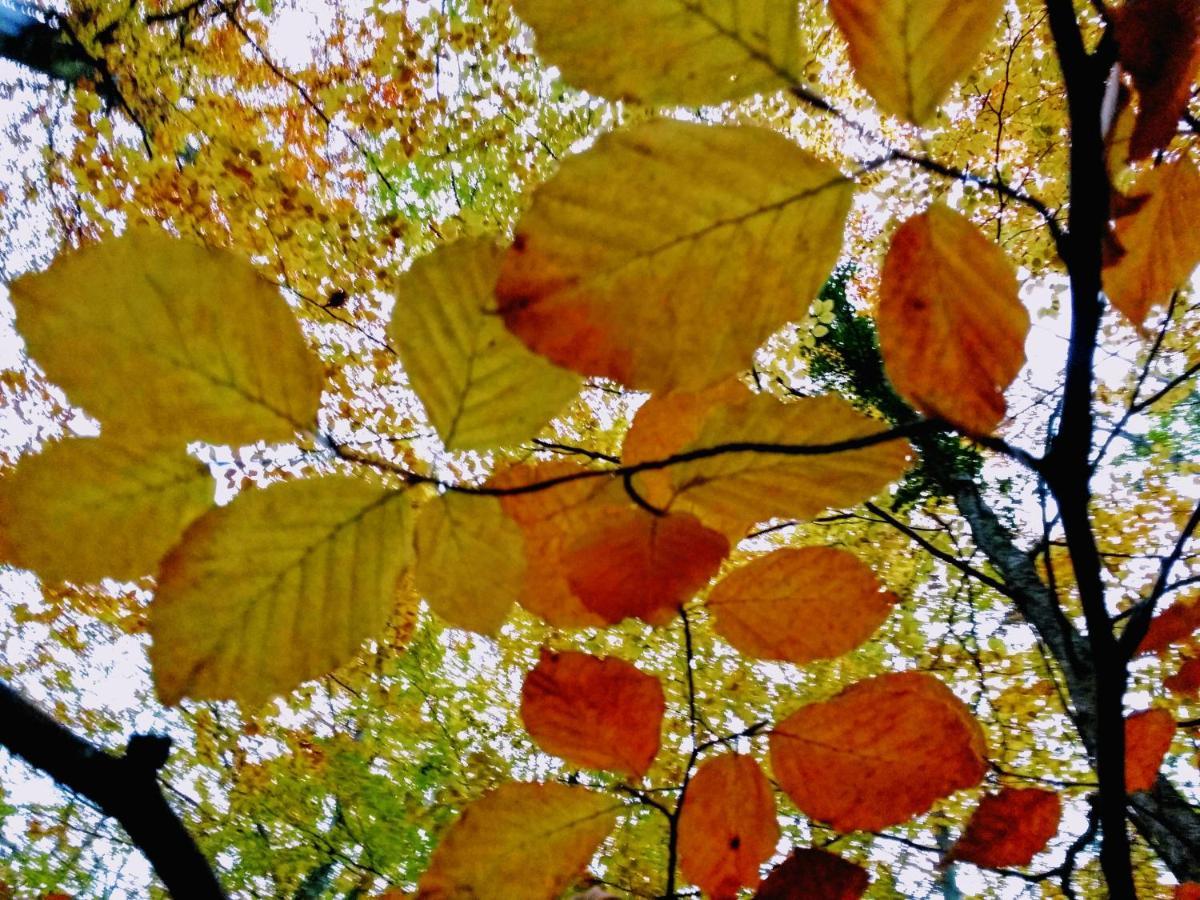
{"x":598,"y":713}
{"x":800,"y":604}
{"x":727,"y":828}
{"x":1009,"y":828}
{"x":879,"y":753}
{"x":1187,"y":680}
{"x":635,"y":564}
{"x":1148,"y":737}
{"x":1158,"y":44}
{"x":814,"y":874}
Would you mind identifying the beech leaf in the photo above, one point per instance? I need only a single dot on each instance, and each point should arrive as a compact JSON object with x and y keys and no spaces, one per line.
{"x":1009,"y":828}
{"x":521,"y":841}
{"x":951,"y":326}
{"x":814,"y":875}
{"x":1173,"y":625}
{"x":598,"y":713}
{"x":880,"y":752}
{"x":799,"y":604}
{"x":618,"y":268}
{"x":1148,"y":737}
{"x":282,"y":585}
{"x":209,"y":345}
{"x":480,"y":386}
{"x":727,"y":827}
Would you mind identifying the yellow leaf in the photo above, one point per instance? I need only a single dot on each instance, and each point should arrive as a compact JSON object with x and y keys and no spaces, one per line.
{"x":1160,"y":240}
{"x":480,"y":386}
{"x":667,"y":52}
{"x":632,"y":252}
{"x":951,"y":325}
{"x":91,"y":508}
{"x":519,"y":842}
{"x":800,"y":604}
{"x":753,"y":485}
{"x":167,"y":339}
{"x":282,"y":585}
{"x":470,"y":561}
{"x":909,"y":53}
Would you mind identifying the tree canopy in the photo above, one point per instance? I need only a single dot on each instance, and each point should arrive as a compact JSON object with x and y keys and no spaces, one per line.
{"x":566,"y":448}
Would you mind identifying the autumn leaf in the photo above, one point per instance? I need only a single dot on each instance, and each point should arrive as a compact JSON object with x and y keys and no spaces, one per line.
{"x":635,"y":564}
{"x":470,"y":561}
{"x":799,"y":604}
{"x":1148,"y":736}
{"x":1008,"y":828}
{"x":951,"y":326}
{"x":617,"y":269}
{"x":1158,"y":44}
{"x":879,"y":753}
{"x":1160,"y":240}
{"x":521,"y":841}
{"x":909,"y":53}
{"x":211,"y":349}
{"x":551,"y":521}
{"x":1173,"y":625}
{"x":91,"y":508}
{"x":598,"y":713}
{"x":664,"y":52}
{"x":754,"y":485}
{"x":727,"y":827}
{"x":481,"y":387}
{"x":1188,"y":891}
{"x":282,"y":585}
{"x":814,"y":875}
{"x":1187,"y":680}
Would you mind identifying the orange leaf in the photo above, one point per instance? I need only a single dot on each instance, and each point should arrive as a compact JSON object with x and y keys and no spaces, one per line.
{"x":1160,"y":240}
{"x":1148,"y":737}
{"x":1174,"y":624}
{"x":951,"y":326}
{"x":1189,"y":891}
{"x":727,"y":828}
{"x":879,"y":753}
{"x":599,"y":713}
{"x":1009,"y":828}
{"x":814,"y":875}
{"x":1158,"y":44}
{"x":1187,"y":680}
{"x":800,"y":604}
{"x":633,"y":563}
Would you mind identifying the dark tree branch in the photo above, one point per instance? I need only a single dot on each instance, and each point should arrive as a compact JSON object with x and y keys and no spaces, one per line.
{"x":123,"y":787}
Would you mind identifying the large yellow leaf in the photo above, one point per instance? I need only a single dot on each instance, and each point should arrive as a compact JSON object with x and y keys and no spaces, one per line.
{"x":751,"y":485}
{"x":879,"y":753}
{"x":166,"y":339}
{"x":599,"y":713}
{"x":282,"y":585}
{"x":519,"y":842}
{"x":470,"y":561}
{"x":951,"y":325}
{"x":909,"y":53}
{"x":1160,"y":240}
{"x":638,"y":247}
{"x":481,"y":387}
{"x":687,"y":52}
{"x":91,"y":508}
{"x":727,"y":827}
{"x":800,"y":604}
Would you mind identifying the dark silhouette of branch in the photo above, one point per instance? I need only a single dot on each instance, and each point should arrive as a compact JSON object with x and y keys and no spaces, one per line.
{"x":123,"y":787}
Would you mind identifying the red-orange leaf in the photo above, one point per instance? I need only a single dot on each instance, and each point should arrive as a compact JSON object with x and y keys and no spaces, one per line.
{"x":814,"y":875}
{"x":800,"y":604}
{"x":599,"y":713}
{"x":1148,"y":737}
{"x":1174,"y":624}
{"x":633,"y":563}
{"x":879,"y":753}
{"x":1187,"y":680}
{"x":1158,"y":44}
{"x":1009,"y":828}
{"x":951,"y":326}
{"x":728,"y":827}
{"x":1189,"y":891}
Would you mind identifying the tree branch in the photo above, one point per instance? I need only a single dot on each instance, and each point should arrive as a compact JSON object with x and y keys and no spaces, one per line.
{"x":123,"y":787}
